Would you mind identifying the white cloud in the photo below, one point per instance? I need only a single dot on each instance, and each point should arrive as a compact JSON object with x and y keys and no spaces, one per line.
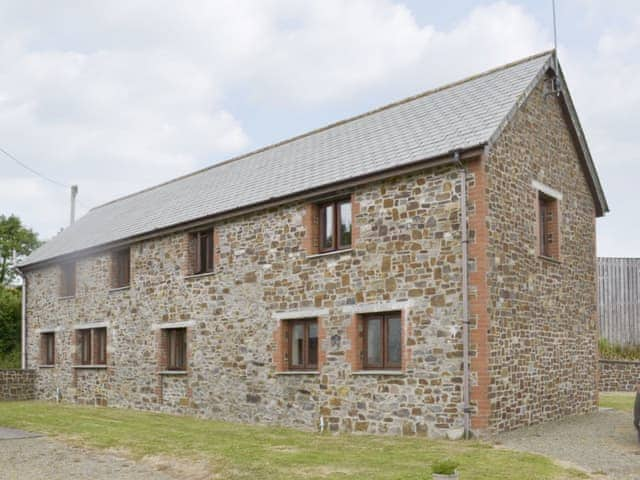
{"x":117,"y":96}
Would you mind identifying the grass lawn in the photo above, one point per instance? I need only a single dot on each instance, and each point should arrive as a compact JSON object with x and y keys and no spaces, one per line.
{"x":622,"y":401}
{"x":234,"y":451}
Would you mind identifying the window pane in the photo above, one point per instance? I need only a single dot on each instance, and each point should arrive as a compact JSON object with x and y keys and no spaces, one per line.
{"x":326,"y":216}
{"x":312,"y":358}
{"x":100,"y":345}
{"x":85,"y":347}
{"x":297,"y":345}
{"x":345,"y":224}
{"x":394,"y":343}
{"x":374,"y":342}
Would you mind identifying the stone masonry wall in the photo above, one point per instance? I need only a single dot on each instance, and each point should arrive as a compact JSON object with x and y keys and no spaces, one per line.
{"x":17,"y":384}
{"x":619,"y":376}
{"x":542,"y":355}
{"x":406,"y":258}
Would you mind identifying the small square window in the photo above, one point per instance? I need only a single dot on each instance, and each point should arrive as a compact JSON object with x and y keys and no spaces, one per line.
{"x":335,"y":225}
{"x":382,"y":341}
{"x":68,"y":279}
{"x":202,"y":251}
{"x":121,"y":265}
{"x":176,"y":348}
{"x":302,"y":344}
{"x":48,"y":348}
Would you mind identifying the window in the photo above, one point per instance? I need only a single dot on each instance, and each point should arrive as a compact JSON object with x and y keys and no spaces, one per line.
{"x":92,"y":346}
{"x":302,"y":344}
{"x":47,"y":348}
{"x":68,"y":279}
{"x":121,"y":264}
{"x":548,"y":226}
{"x":176,"y":348}
{"x":335,"y":225}
{"x":202,"y":248}
{"x":382,"y":345}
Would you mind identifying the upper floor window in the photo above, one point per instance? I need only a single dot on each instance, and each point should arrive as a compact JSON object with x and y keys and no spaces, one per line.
{"x":202,"y":251}
{"x":48,"y":348}
{"x":302,"y":344}
{"x":68,"y":279}
{"x":121,"y":264}
{"x":548,"y":228}
{"x":92,"y":346}
{"x":382,"y":341}
{"x":335,"y":225}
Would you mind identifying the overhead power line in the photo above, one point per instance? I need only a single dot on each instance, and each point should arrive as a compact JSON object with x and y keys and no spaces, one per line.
{"x":37,"y":173}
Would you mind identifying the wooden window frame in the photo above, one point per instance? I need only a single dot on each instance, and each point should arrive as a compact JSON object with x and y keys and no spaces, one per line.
{"x":68,"y":279}
{"x":335,"y":206}
{"x":202,"y":264}
{"x":48,"y":355}
{"x":121,"y":273}
{"x":386,"y":364}
{"x":92,"y":346}
{"x":175,"y":362}
{"x":306,"y":364}
{"x":548,"y":208}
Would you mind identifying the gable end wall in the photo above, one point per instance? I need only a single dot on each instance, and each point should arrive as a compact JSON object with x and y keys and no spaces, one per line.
{"x":542,"y":331}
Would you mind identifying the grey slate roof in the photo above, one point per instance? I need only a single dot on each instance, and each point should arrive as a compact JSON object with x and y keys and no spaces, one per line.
{"x":462,"y":115}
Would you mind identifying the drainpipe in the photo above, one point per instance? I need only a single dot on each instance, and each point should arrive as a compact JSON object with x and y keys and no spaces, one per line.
{"x":465,"y":295}
{"x":23,"y":319}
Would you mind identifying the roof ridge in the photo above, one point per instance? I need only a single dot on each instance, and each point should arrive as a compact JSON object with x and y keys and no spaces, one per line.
{"x":332,"y":125}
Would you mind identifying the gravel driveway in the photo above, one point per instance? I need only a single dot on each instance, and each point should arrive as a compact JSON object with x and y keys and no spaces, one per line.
{"x":602,"y":442}
{"x":44,"y":458}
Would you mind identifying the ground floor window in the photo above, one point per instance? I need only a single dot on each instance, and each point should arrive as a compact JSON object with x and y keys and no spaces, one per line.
{"x":302,"y":344}
{"x":48,"y":348}
{"x":176,"y":348}
{"x":92,"y":346}
{"x":382,"y":341}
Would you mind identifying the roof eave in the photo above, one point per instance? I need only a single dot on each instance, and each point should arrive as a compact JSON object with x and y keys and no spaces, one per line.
{"x":427,"y":163}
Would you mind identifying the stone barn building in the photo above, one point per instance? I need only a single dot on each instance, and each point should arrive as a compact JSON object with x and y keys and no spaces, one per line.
{"x":420,"y":269}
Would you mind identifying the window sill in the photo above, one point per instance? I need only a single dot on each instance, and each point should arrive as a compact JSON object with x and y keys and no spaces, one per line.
{"x":378,"y":372}
{"x":119,"y":289}
{"x":199,"y":275}
{"x":173,"y":372}
{"x":549,"y":259}
{"x":299,"y":372}
{"x":328,"y":254}
{"x":46,"y":366}
{"x":67,"y":297}
{"x":97,"y":367}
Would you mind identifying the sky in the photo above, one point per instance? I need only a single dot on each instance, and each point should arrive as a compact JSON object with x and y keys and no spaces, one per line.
{"x":121,"y":95}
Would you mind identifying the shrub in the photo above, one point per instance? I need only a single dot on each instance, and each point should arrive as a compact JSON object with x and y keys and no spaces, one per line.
{"x":612,"y":351}
{"x":445,"y":467}
{"x":10,"y":361}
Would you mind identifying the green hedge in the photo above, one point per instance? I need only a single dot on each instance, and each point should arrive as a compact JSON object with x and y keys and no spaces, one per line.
{"x":612,"y":351}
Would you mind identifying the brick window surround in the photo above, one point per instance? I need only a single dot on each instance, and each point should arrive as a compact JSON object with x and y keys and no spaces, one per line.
{"x":283,"y":337}
{"x":68,"y":279}
{"x":356,"y":332}
{"x":174,"y":348}
{"x":548,"y":226}
{"x":121,"y":268}
{"x":47,"y":348}
{"x":203,"y":251}
{"x":314,"y":228}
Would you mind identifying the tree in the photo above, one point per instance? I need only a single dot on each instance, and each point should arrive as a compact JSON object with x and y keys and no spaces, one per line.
{"x":14,"y":237}
{"x":10,"y":311}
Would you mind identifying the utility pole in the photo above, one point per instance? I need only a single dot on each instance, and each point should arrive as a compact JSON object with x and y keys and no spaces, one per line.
{"x":74,"y":194}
